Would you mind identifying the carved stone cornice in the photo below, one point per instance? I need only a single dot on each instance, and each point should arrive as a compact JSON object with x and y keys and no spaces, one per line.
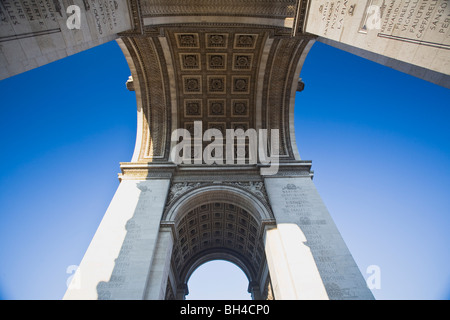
{"x":293,"y":169}
{"x":178,"y":189}
{"x":145,"y":171}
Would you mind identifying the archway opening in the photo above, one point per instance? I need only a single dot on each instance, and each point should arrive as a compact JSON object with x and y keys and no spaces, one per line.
{"x":218,"y":223}
{"x":218,"y":280}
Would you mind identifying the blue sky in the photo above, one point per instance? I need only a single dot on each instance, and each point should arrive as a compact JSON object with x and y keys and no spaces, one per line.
{"x":379,"y":141}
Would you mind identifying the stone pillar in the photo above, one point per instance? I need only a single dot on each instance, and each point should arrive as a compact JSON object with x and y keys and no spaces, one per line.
{"x":117,"y":262}
{"x":305,"y":252}
{"x":293,"y":272}
{"x":160,"y":268}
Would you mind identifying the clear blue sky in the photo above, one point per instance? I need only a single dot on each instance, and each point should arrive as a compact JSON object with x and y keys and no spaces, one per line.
{"x":379,"y":141}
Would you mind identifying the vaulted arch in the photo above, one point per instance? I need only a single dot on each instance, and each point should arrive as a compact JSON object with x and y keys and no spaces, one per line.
{"x":219,"y":222}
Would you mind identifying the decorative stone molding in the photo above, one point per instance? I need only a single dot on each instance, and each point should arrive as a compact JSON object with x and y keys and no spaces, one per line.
{"x":279,"y":80}
{"x":145,"y":171}
{"x":150,"y":71}
{"x":177,"y":189}
{"x":218,"y":230}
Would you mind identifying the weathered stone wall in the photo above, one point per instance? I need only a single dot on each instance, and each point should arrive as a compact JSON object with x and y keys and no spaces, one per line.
{"x":36,"y":32}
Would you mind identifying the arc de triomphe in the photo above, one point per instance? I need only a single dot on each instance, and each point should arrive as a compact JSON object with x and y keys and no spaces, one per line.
{"x":232,"y":66}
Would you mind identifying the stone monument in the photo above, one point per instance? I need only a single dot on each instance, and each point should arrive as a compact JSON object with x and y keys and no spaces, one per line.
{"x":206,"y":72}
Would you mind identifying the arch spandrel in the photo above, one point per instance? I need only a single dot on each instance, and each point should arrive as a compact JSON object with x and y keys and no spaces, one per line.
{"x":151,"y":83}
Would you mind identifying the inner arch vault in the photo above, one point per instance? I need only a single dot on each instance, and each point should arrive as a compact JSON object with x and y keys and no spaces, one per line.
{"x":233,"y":66}
{"x":218,"y":223}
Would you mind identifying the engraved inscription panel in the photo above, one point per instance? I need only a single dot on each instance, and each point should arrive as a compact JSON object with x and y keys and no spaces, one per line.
{"x":223,"y":226}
